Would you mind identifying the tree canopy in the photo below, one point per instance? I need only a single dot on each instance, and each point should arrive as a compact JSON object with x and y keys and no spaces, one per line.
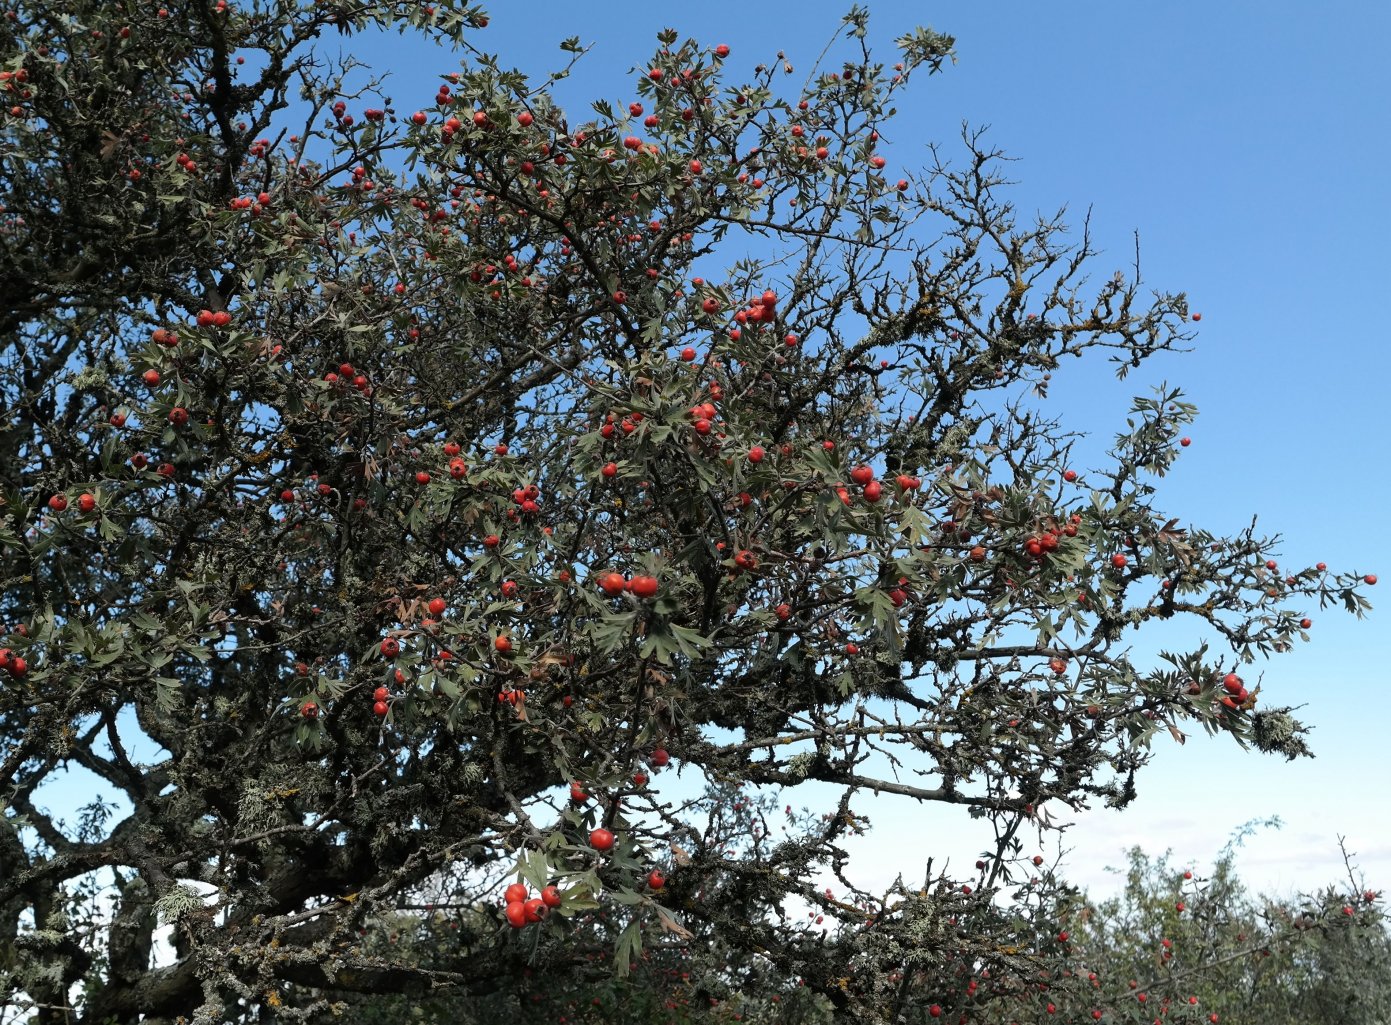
{"x":468,"y":492}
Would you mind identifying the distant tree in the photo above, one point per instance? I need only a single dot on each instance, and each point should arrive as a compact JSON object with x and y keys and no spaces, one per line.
{"x":1174,"y":935}
{"x":423,"y":487}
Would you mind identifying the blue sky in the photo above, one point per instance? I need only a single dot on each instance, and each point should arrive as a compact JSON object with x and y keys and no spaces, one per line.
{"x":1242,"y":142}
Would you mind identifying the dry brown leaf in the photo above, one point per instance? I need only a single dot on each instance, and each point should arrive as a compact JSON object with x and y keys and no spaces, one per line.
{"x":553,"y":656}
{"x":671,"y":925}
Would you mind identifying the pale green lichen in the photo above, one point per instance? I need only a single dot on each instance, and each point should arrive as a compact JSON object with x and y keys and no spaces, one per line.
{"x":179,"y":901}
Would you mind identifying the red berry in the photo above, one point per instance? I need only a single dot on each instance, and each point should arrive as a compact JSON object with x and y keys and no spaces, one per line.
{"x":550,"y":896}
{"x":612,"y":584}
{"x":644,"y":587}
{"x":391,"y":647}
{"x":601,"y":839}
{"x":437,"y":606}
{"x":515,"y":893}
{"x":655,"y":880}
{"x":660,"y":757}
{"x":516,"y":914}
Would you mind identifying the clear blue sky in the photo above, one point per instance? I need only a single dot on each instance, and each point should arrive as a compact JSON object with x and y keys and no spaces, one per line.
{"x":1244,"y":142}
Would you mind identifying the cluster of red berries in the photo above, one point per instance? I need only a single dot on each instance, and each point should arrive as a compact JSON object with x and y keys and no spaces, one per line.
{"x":253,"y":203}
{"x":207,"y":318}
{"x":703,"y":417}
{"x":763,"y":310}
{"x":1237,"y":694}
{"x":12,"y":663}
{"x":347,"y":374}
{"x":628,"y":424}
{"x":640,"y":586}
{"x":525,"y":499}
{"x":523,"y":910}
{"x":86,"y":502}
{"x":1046,"y":541}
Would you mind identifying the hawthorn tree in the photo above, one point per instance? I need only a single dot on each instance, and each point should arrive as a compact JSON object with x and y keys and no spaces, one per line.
{"x":396,"y":495}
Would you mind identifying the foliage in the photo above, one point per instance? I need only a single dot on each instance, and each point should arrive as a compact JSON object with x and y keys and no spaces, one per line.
{"x":1184,"y":938}
{"x":387,"y":475}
